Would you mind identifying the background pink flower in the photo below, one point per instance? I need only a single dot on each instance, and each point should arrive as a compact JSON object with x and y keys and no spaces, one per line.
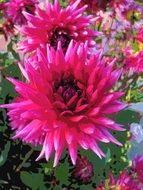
{"x":14,"y":8}
{"x":57,"y":24}
{"x":83,"y":169}
{"x":138,"y":167}
{"x":124,"y":182}
{"x":133,"y":60}
{"x":140,"y":35}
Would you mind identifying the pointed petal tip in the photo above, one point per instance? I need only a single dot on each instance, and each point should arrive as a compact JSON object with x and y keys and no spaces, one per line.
{"x":56,"y":160}
{"x":54,"y":165}
{"x":73,"y":160}
{"x":10,"y":79}
{"x":120,"y":144}
{"x":4,"y":105}
{"x":14,"y":137}
{"x":37,"y":159}
{"x":59,"y":47}
{"x":18,"y":27}
{"x":25,"y":13}
{"x":40,"y":156}
{"x":117,"y":142}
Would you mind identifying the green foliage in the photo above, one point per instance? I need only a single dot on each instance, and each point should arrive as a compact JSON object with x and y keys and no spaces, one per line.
{"x":63,"y":3}
{"x":33,"y":180}
{"x":134,"y":95}
{"x":4,"y":153}
{"x":7,"y":89}
{"x":12,"y":50}
{"x":62,"y":172}
{"x":135,"y":46}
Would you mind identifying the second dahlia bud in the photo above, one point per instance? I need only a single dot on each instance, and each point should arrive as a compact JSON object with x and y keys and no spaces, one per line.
{"x":83,"y":169}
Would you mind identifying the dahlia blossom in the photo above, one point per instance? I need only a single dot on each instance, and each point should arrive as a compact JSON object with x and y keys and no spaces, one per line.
{"x":96,"y":5}
{"x":140,"y":35}
{"x":65,"y":102}
{"x":134,"y":60}
{"x":91,"y":5}
{"x":120,"y":3}
{"x":138,"y":167}
{"x":124,"y":182}
{"x":83,"y":169}
{"x":57,"y":24}
{"x":14,"y":8}
{"x":133,"y":12}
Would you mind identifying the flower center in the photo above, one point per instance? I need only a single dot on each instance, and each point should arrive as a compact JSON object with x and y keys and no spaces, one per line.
{"x":62,"y":36}
{"x":133,"y":15}
{"x":67,"y":88}
{"x":69,"y":92}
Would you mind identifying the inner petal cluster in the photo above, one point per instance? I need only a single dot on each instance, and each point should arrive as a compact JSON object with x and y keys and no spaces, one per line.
{"x":70,"y":92}
{"x":62,"y":36}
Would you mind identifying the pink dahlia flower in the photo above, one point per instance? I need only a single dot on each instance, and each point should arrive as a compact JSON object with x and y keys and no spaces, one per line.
{"x":57,"y":24}
{"x":65,"y":102}
{"x":140,"y":35}
{"x":134,"y":60}
{"x":116,"y":3}
{"x":138,"y":167}
{"x":14,"y":10}
{"x":96,"y":5}
{"x":133,"y":12}
{"x":92,"y":5}
{"x":124,"y":182}
{"x":83,"y":169}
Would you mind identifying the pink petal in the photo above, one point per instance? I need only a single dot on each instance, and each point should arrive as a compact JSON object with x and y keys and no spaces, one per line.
{"x":77,"y":118}
{"x":87,"y":128}
{"x":93,"y":145}
{"x":82,"y":140}
{"x":73,"y":151}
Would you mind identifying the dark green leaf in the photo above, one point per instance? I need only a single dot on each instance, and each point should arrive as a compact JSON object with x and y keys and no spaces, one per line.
{"x":4,"y":153}
{"x":32,"y":180}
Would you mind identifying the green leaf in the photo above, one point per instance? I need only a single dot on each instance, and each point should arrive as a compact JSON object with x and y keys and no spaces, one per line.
{"x":61,"y":172}
{"x":4,"y":153}
{"x":3,"y":128}
{"x":135,"y":47}
{"x":85,"y":187}
{"x":11,"y":49}
{"x":7,"y":89}
{"x":32,"y":180}
{"x":8,"y":62}
{"x":13,"y":71}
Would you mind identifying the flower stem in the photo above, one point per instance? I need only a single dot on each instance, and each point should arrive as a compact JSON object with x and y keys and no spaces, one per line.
{"x":25,"y":159}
